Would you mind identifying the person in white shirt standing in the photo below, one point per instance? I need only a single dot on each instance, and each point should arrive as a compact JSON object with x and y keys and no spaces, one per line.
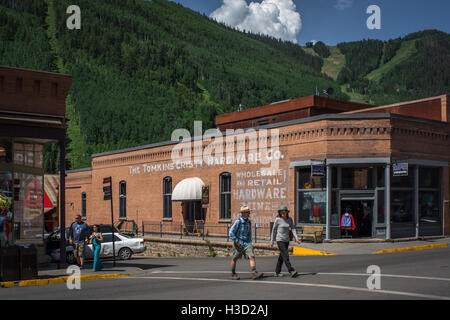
{"x":281,"y":233}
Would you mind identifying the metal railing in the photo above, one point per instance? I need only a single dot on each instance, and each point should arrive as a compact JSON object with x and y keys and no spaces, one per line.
{"x":180,"y":230}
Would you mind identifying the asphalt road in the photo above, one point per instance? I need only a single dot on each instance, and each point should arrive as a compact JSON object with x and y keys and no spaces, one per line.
{"x":404,"y":275}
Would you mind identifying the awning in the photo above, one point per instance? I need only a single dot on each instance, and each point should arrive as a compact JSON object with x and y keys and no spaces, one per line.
{"x":189,"y":189}
{"x":51,"y":191}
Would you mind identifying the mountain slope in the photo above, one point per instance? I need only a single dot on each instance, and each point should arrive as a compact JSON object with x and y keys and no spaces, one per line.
{"x":405,"y":52}
{"x":333,"y":65}
{"x":142,"y":69}
{"x":414,"y":67}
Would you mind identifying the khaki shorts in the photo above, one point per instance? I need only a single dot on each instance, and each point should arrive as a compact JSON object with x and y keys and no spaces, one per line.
{"x":239,"y":251}
{"x":78,"y":249}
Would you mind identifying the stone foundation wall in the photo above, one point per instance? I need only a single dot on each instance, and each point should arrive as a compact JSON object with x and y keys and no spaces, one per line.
{"x":160,"y":247}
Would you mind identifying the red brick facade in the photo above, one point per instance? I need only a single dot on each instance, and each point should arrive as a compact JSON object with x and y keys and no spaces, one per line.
{"x":343,"y":136}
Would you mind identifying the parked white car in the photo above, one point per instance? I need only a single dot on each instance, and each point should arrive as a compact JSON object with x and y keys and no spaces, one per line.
{"x":125,"y":247}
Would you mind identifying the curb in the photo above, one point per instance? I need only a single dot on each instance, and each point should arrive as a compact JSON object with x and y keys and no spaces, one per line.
{"x":297,"y":251}
{"x":429,"y":246}
{"x":39,"y":282}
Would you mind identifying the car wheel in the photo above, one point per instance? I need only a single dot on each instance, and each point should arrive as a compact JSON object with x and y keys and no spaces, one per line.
{"x":125,"y":254}
{"x":70,"y":258}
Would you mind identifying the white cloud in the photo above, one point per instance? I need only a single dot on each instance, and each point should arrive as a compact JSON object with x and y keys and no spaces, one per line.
{"x":276,"y":18}
{"x":343,"y":4}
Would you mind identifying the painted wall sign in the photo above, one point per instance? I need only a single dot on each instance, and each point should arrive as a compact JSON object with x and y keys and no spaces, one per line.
{"x":250,"y":158}
{"x":262,"y":190}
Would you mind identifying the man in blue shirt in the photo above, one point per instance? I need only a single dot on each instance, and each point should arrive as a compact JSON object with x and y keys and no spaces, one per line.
{"x":78,"y":236}
{"x":241,"y":234}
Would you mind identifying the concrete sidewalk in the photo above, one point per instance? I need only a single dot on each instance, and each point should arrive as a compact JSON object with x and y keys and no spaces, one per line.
{"x":349,"y":247}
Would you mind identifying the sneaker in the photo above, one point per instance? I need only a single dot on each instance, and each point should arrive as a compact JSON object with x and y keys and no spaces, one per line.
{"x":293,"y":273}
{"x":257,"y":275}
{"x":234,"y":276}
{"x":279,"y":274}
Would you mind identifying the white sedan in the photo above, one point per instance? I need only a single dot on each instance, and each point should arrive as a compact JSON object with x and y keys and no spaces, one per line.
{"x":125,"y":247}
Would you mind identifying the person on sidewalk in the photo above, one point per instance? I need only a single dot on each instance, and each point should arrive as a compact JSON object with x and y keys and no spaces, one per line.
{"x":78,"y":236}
{"x":96,"y":240}
{"x":283,"y":229}
{"x":241,"y":235}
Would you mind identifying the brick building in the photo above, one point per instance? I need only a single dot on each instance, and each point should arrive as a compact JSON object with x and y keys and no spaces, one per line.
{"x":32,"y":114}
{"x":387,"y":166}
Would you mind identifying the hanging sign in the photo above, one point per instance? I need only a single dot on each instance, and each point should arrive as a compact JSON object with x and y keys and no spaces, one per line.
{"x":318,"y":169}
{"x":400,"y":169}
{"x":205,"y":195}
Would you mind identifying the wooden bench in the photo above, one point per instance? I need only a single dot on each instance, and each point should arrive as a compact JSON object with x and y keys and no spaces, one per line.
{"x":311,"y":232}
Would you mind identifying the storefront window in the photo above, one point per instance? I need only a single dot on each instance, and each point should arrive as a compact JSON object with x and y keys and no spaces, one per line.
{"x":306,"y":181}
{"x":403,"y":181}
{"x":19,"y":154}
{"x":29,"y":155}
{"x":6,"y":216}
{"x":28,"y":209}
{"x":429,"y":177}
{"x":429,"y":207}
{"x":402,"y":206}
{"x":381,"y":207}
{"x":5,"y":151}
{"x":430,"y":213}
{"x":334,"y":177}
{"x":312,"y":207}
{"x":6,"y":188}
{"x":380,"y":177}
{"x":311,"y":197}
{"x":357,"y":178}
{"x":38,"y":155}
{"x":334,"y":209}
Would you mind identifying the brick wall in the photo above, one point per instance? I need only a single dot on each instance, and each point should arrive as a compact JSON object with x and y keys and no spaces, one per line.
{"x":144,"y":169}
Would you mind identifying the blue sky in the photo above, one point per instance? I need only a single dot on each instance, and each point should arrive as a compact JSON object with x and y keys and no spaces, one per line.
{"x":335,"y":21}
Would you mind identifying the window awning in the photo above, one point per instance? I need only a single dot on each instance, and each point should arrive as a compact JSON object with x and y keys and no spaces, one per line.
{"x":189,"y":189}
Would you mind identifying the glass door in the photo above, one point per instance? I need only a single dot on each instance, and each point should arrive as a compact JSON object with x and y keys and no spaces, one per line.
{"x":359,"y":206}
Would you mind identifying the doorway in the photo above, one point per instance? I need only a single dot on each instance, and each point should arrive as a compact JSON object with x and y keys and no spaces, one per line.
{"x":362,"y":212}
{"x":192,"y":210}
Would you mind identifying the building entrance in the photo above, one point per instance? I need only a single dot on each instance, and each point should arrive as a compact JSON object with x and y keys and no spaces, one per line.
{"x":362,"y":213}
{"x":192,"y":211}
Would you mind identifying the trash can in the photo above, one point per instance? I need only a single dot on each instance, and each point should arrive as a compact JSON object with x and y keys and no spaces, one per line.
{"x":9,"y":263}
{"x":28,"y":262}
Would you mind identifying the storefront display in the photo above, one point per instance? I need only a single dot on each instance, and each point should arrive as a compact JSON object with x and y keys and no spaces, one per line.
{"x":23,"y":188}
{"x":6,"y":217}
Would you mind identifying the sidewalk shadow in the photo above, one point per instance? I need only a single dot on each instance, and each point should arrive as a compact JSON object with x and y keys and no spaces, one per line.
{"x":142,"y":266}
